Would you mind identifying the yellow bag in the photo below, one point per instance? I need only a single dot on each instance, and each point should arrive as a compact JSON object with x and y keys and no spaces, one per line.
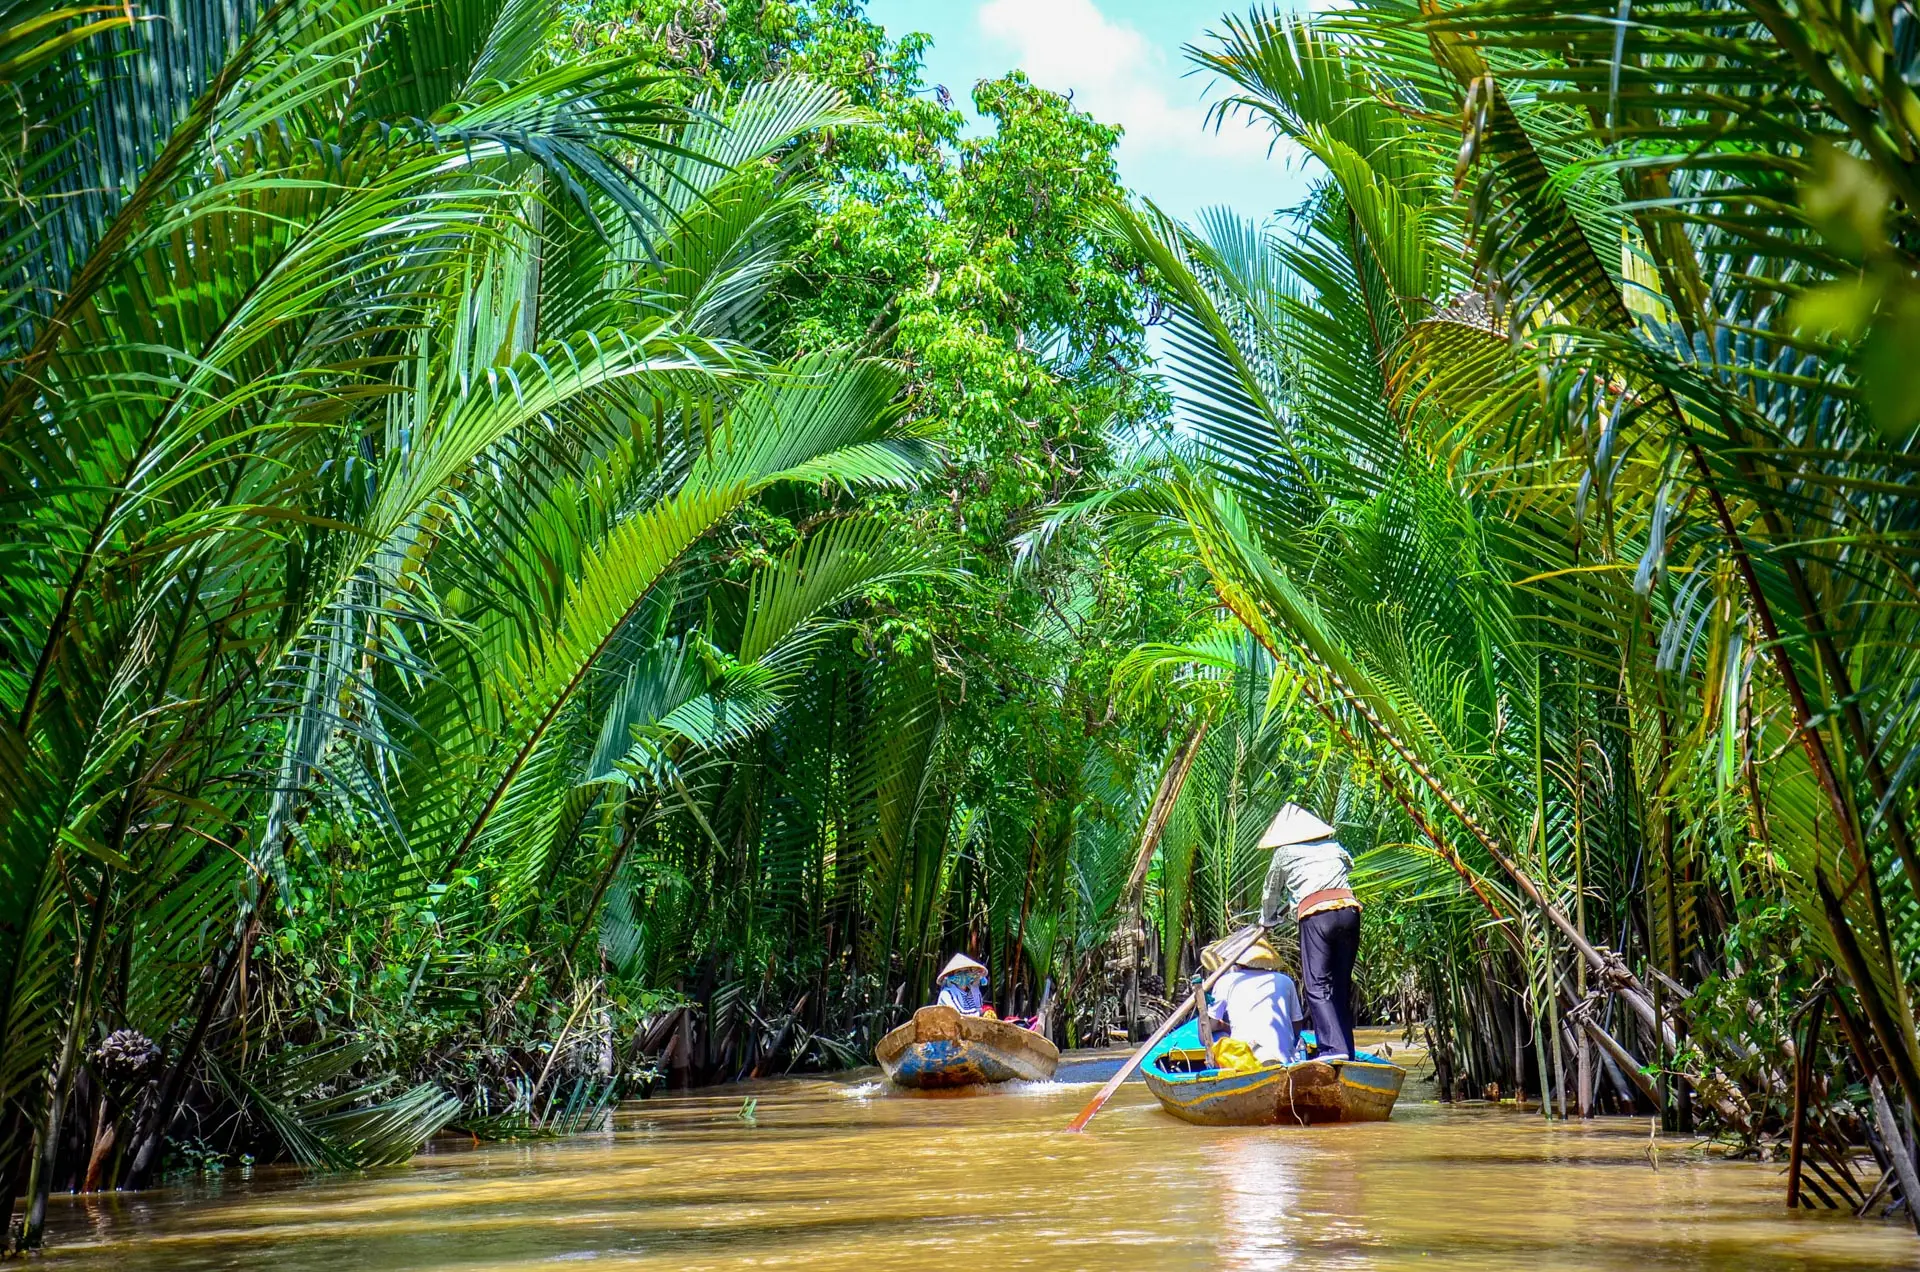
{"x":1231,"y":1055}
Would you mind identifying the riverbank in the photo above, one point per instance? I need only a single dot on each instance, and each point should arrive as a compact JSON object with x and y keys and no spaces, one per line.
{"x":848,"y":1174}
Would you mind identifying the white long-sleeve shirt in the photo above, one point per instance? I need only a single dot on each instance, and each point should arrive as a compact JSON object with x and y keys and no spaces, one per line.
{"x":1297,"y":871}
{"x":1261,"y":1009}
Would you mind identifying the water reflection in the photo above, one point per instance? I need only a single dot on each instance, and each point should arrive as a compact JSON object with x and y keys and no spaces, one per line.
{"x":1259,"y":1199}
{"x":854,"y":1176}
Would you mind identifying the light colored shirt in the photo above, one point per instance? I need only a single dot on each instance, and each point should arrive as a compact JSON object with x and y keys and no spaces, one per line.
{"x":965,"y":999}
{"x":1297,"y":872}
{"x":1262,"y":1010}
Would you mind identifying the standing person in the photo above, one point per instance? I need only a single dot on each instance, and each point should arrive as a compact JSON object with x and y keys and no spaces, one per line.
{"x":963,"y":986}
{"x":1309,"y":877}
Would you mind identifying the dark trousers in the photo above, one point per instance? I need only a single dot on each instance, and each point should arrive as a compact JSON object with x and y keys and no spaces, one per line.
{"x":1329,"y":941}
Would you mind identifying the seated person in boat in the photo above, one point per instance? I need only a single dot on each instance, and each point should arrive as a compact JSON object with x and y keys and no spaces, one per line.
{"x":963,"y":987}
{"x":1259,"y":1004}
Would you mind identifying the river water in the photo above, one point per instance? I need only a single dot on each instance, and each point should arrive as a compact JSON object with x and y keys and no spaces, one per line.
{"x":852,"y":1175}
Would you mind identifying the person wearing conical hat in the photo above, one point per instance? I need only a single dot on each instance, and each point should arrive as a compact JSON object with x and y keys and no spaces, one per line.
{"x":963,"y":986}
{"x":1309,"y":880}
{"x":1258,"y":1002}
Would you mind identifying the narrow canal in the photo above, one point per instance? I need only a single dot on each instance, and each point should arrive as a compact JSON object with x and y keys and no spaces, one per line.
{"x":851,"y":1175}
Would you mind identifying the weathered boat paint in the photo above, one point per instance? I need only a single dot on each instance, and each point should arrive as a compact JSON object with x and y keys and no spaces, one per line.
{"x":940,"y":1048}
{"x":1281,"y":1094}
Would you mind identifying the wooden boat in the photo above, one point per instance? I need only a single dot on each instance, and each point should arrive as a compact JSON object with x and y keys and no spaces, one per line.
{"x":1275,"y":1094}
{"x":940,"y":1048}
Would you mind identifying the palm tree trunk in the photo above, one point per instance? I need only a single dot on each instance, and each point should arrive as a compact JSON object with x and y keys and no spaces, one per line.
{"x":151,"y":1138}
{"x":41,"y":1181}
{"x":1824,"y":771}
{"x":1870,"y":1001}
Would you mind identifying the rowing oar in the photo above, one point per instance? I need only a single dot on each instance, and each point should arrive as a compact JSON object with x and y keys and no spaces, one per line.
{"x":1167,"y":1026}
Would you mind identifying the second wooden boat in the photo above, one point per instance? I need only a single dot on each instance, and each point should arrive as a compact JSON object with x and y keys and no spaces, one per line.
{"x":1277,"y":1094}
{"x":940,"y":1047}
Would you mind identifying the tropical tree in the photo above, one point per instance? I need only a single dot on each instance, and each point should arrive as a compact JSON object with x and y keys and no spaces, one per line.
{"x":371,"y":374}
{"x":957,"y":773}
{"x":1550,"y":445}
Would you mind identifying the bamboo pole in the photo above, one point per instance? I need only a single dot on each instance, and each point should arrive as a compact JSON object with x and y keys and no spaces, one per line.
{"x":1172,"y":781}
{"x":1878,"y":1019}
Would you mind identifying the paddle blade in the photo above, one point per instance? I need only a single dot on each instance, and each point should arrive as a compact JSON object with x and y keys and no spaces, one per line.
{"x":1079,"y":1123}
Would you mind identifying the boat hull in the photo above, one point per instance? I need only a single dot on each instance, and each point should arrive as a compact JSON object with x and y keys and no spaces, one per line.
{"x":940,"y":1048}
{"x":1304,"y":1094}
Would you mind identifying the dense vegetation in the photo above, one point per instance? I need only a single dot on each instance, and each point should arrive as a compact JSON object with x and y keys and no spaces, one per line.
{"x":554,"y":546}
{"x":1558,"y":450}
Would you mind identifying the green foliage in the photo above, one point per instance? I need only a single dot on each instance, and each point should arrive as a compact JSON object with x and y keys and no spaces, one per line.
{"x":1522,"y":449}
{"x":512,"y":557}
{"x":550,"y":547}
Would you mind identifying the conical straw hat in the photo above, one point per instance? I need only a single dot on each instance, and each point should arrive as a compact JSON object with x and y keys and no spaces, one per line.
{"x":1295,"y":825}
{"x":1260,"y":955}
{"x":960,"y":963}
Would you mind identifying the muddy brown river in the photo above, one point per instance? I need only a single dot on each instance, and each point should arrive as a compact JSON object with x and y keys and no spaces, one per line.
{"x":852,"y":1175}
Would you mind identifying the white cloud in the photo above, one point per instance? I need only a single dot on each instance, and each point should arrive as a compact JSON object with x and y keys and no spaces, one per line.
{"x":1116,"y":74}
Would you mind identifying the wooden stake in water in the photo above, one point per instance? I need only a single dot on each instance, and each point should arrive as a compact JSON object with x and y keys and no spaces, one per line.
{"x":1167,"y":1026}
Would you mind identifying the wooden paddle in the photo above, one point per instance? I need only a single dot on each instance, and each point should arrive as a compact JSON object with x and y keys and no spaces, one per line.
{"x":1167,"y":1026}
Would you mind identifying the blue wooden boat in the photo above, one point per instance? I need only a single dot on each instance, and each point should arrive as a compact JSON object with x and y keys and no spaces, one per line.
{"x":940,"y":1048}
{"x":1363,"y":1089}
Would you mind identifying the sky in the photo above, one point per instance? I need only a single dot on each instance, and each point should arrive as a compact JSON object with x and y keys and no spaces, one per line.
{"x":1122,"y":61}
